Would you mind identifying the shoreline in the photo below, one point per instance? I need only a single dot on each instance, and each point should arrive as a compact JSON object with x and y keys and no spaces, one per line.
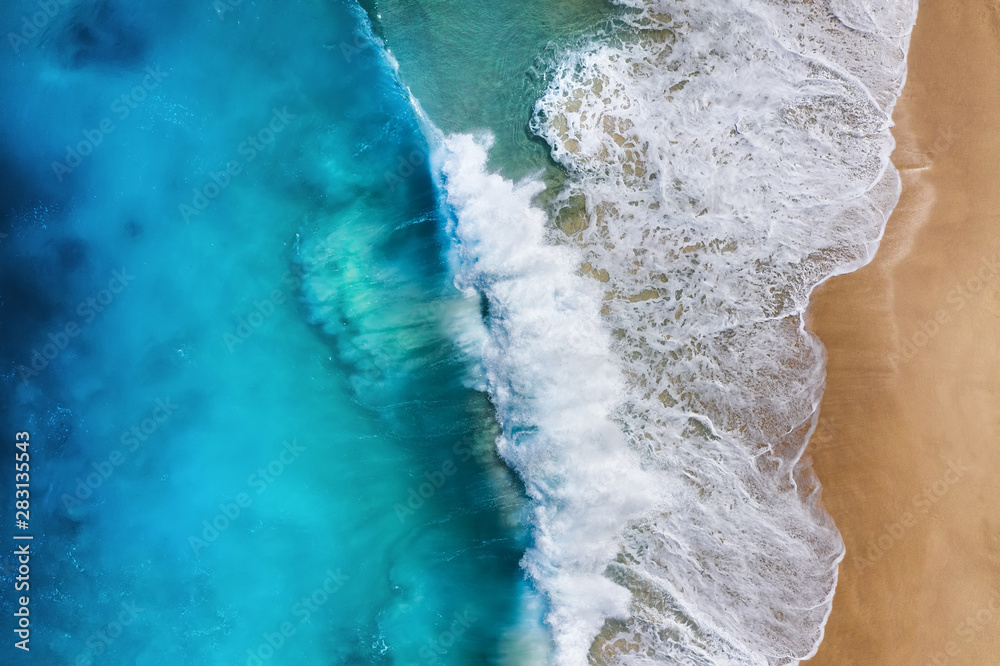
{"x":908,"y":444}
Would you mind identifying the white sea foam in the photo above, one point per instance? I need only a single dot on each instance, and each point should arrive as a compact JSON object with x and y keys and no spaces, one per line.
{"x":556,"y":387}
{"x":724,"y":159}
{"x":732,"y":155}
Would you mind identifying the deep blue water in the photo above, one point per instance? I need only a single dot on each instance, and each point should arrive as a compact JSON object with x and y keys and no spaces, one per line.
{"x":225,"y":304}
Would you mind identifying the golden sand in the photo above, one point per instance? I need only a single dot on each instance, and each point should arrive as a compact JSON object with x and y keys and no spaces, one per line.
{"x":908,"y":450}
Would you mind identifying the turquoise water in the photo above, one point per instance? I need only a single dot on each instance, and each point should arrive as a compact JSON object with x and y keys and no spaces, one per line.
{"x":274,"y":293}
{"x":259,"y":436}
{"x":478,"y":66}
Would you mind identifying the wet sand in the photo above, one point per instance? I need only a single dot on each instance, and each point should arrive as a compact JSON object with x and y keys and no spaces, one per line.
{"x":908,"y":450}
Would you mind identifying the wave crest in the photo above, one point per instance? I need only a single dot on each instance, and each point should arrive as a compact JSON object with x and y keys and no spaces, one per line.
{"x":724,"y":159}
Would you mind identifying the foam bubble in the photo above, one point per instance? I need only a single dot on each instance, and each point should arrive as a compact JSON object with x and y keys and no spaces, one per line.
{"x":729,"y":156}
{"x":724,"y":159}
{"x":556,"y":387}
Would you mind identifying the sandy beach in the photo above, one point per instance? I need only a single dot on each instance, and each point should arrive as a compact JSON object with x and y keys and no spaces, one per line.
{"x":908,"y":450}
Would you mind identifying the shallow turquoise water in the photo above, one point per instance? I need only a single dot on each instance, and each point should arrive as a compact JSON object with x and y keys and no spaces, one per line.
{"x":482,"y":65}
{"x":311,"y":478}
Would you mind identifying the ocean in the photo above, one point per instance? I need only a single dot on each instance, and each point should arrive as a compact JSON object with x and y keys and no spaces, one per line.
{"x":419,"y":332}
